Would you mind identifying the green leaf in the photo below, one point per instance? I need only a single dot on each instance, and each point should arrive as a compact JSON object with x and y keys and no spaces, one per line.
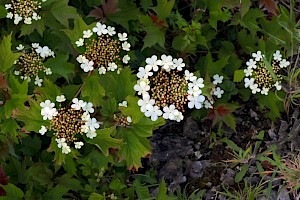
{"x":273,"y":103}
{"x":230,"y":121}
{"x":7,"y":57}
{"x":56,"y":192}
{"x":210,"y":67}
{"x":239,"y":176}
{"x":120,"y":85}
{"x":164,"y":8}
{"x":40,"y":173}
{"x":250,"y":20}
{"x":128,"y":12}
{"x":104,"y":141}
{"x":3,"y":12}
{"x":133,"y":149}
{"x":116,"y":185}
{"x":162,"y":192}
{"x":70,"y":183}
{"x":96,"y":196}
{"x":63,"y":12}
{"x":77,"y":32}
{"x":154,"y":35}
{"x":9,"y":127}
{"x":132,"y":109}
{"x":238,"y":75}
{"x":37,"y":25}
{"x":92,"y":90}
{"x":12,"y":192}
{"x":32,"y":117}
{"x":109,"y":107}
{"x":61,"y":66}
{"x":48,"y":91}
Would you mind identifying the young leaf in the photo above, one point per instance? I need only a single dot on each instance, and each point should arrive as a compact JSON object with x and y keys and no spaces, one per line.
{"x":238,"y":75}
{"x":63,"y":12}
{"x":104,"y":141}
{"x":239,"y":176}
{"x":7,"y":57}
{"x":12,"y":192}
{"x":37,"y":25}
{"x":162,"y":192}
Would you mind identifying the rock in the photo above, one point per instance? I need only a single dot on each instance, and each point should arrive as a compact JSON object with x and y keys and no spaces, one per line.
{"x":190,"y":128}
{"x":198,"y":167}
{"x":283,"y":194}
{"x":227,"y":177}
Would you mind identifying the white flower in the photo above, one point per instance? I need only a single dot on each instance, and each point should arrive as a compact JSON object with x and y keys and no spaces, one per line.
{"x":47,"y":103}
{"x":208,"y":104}
{"x":145,"y":101}
{"x":9,"y":15}
{"x":169,"y":112}
{"x":78,"y":104}
{"x":194,"y":87}
{"x":88,"y":107}
{"x":196,"y":101}
{"x":35,"y":16}
{"x":28,"y":20}
{"x":66,"y":149}
{"x":144,"y":73}
{"x":218,"y":92}
{"x":142,"y":87}
{"x":277,"y":55}
{"x":48,"y":71}
{"x":20,"y":47}
{"x":278,"y":85}
{"x":153,"y":112}
{"x":100,"y":29}
{"x":112,"y":66}
{"x":92,"y":124}
{"x":102,"y":70}
{"x":119,"y":70}
{"x":78,"y":145}
{"x":251,"y":64}
{"x":111,"y":30}
{"x":91,"y":134}
{"x":17,"y":73}
{"x":48,"y":113}
{"x":87,"y":65}
{"x":178,"y":116}
{"x":123,"y":104}
{"x":84,"y":128}
{"x":217,"y":79}
{"x":43,"y":130}
{"x":35,"y":45}
{"x":254,"y":88}
{"x":284,"y":63}
{"x":43,"y":51}
{"x":189,"y":76}
{"x":87,"y":34}
{"x":258,"y":56}
{"x":80,"y":42}
{"x":7,"y":6}
{"x":178,"y":64}
{"x":264,"y":91}
{"x":38,"y":81}
{"x":17,"y":19}
{"x":81,"y":58}
{"x":85,"y":116}
{"x":248,"y":72}
{"x":122,"y":36}
{"x":60,"y":98}
{"x":248,"y":82}
{"x":153,"y":63}
{"x":126,"y":46}
{"x":129,"y":119}
{"x":60,"y":142}
{"x":166,"y":62}
{"x":125,"y":59}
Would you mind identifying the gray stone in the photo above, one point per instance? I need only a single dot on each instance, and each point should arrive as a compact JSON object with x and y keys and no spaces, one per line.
{"x":190,"y":128}
{"x":198,"y":167}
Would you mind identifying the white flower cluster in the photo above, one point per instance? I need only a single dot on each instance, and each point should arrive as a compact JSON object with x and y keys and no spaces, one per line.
{"x":23,"y":10}
{"x":88,"y":127}
{"x":257,"y":76}
{"x":101,"y":30}
{"x":30,"y":66}
{"x":143,"y":88}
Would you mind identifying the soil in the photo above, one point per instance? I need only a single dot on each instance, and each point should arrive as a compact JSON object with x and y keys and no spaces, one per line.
{"x":183,"y":153}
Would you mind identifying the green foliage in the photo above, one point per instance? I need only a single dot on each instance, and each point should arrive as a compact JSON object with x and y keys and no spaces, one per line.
{"x":92,"y":90}
{"x":7,"y":57}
